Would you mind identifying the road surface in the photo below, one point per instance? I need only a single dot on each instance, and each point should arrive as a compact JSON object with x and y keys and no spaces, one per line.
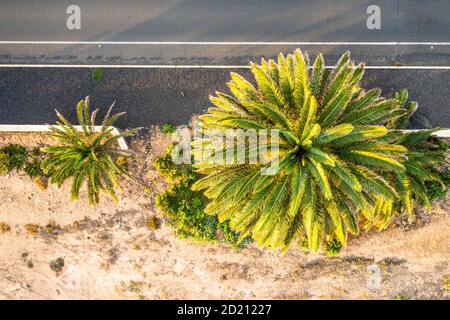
{"x":157,"y":96}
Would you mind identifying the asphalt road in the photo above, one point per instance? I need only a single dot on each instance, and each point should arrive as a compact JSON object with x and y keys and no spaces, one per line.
{"x":141,"y":33}
{"x":196,"y":21}
{"x":156,"y":96}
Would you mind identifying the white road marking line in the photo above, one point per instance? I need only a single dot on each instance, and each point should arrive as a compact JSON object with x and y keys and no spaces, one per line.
{"x":238,"y":43}
{"x":125,"y":66}
{"x":196,"y":66}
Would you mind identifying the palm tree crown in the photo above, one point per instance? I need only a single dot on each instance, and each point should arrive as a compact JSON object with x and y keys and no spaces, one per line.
{"x":336,"y":157}
{"x":88,"y":154}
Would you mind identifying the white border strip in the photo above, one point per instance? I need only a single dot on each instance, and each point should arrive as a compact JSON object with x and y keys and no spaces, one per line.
{"x":237,"y":43}
{"x":121,"y":141}
{"x":196,"y":66}
{"x":440,"y":134}
{"x":443,"y":134}
{"x":46,"y":128}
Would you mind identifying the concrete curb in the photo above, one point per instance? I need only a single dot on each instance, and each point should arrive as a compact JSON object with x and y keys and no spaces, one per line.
{"x":443,"y":133}
{"x":121,"y":141}
{"x":46,"y":128}
{"x":440,"y":134}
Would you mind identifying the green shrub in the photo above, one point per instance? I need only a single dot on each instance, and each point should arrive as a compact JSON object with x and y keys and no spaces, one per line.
{"x":33,"y":163}
{"x":446,"y":282}
{"x":165,"y":167}
{"x":33,"y":169}
{"x":98,"y":74}
{"x":333,"y":248}
{"x":168,"y":128}
{"x":401,"y":296}
{"x":4,"y":163}
{"x":16,"y":156}
{"x":185,"y":208}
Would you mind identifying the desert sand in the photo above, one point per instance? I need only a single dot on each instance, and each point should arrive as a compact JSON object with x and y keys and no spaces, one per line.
{"x":58,"y":249}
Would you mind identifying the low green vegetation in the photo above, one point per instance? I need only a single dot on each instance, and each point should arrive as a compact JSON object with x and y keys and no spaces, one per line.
{"x":185,"y":207}
{"x":33,"y":163}
{"x":401,"y":296}
{"x":19,"y":158}
{"x":4,"y":163}
{"x":333,"y":248}
{"x":165,"y":166}
{"x":168,"y":128}
{"x":446,"y":282}
{"x":12,"y":157}
{"x":98,"y":74}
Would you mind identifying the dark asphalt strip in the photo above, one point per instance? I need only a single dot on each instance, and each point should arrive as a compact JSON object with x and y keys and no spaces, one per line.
{"x":156,"y":96}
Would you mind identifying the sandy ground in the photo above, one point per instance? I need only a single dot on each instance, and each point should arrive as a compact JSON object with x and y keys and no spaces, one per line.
{"x":107,"y":252}
{"x":29,"y":139}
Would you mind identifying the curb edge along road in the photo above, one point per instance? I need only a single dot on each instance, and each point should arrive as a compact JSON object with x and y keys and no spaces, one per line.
{"x":46,"y":128}
{"x":121,"y":141}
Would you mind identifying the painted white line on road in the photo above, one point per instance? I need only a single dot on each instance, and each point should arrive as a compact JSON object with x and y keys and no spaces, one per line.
{"x":238,"y":43}
{"x":196,"y":66}
{"x":126,"y":66}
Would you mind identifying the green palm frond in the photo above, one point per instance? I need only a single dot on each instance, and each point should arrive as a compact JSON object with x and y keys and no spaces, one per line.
{"x":422,"y":156}
{"x":88,"y":156}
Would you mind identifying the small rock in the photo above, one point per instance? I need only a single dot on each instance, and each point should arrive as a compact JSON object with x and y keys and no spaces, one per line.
{"x":57,"y":265}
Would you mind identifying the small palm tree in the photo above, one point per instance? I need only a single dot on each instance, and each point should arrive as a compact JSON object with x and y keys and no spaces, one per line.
{"x":336,"y":162}
{"x":87,"y":155}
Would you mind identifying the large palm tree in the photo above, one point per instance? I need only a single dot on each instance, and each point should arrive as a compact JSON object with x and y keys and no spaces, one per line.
{"x":335,"y":157}
{"x":88,"y":155}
